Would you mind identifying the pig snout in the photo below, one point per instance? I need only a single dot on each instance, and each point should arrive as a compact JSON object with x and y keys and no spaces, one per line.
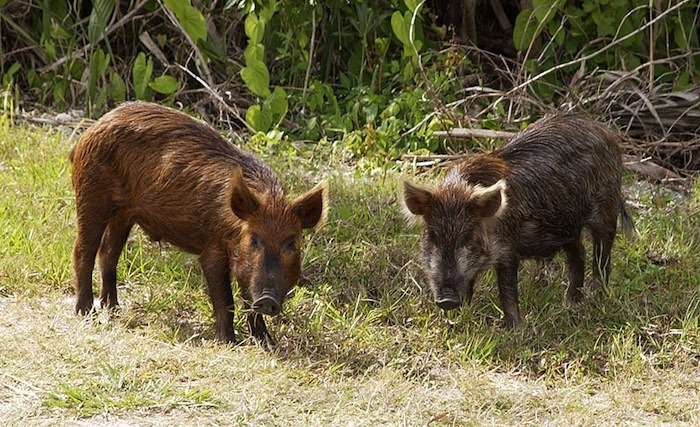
{"x":447,"y":298}
{"x":268,"y":303}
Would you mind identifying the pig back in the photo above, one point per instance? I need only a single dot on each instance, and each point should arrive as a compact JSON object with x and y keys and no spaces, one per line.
{"x":166,"y":171}
{"x":564,"y":174}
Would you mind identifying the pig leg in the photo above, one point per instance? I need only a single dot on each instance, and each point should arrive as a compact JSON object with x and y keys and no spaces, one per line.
{"x":91,"y":225}
{"x":113,"y":241}
{"x":216,"y":270}
{"x":507,"y":276}
{"x":470,"y":291}
{"x":602,"y":245}
{"x":575,"y":253}
{"x":258,"y":328}
{"x":603,"y":228}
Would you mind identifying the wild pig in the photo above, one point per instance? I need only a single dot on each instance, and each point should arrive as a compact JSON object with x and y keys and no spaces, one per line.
{"x":182,"y":182}
{"x":532,"y":198}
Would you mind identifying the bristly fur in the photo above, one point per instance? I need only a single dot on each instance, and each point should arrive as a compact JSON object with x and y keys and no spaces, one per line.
{"x":562,"y":176}
{"x":483,"y":170}
{"x":182,"y":182}
{"x":628,"y":229}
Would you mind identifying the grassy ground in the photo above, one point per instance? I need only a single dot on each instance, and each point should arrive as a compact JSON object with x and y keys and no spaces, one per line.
{"x":359,"y":342}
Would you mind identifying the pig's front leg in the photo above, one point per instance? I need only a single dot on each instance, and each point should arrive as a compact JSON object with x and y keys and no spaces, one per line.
{"x":507,"y":276}
{"x":215,"y":266}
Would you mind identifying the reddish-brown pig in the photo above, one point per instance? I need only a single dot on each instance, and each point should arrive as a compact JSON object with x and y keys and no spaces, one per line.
{"x":182,"y":182}
{"x":532,"y":198}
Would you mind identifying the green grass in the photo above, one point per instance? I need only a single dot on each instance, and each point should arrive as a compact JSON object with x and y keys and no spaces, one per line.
{"x":359,"y":342}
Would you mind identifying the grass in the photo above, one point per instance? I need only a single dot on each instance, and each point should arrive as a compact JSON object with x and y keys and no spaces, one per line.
{"x":359,"y":342}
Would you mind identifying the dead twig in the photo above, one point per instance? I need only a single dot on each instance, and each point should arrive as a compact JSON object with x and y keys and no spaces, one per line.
{"x":200,"y":61}
{"x":649,"y":169}
{"x":605,"y":48}
{"x":476,"y":133}
{"x":218,"y":97}
{"x":312,"y":46}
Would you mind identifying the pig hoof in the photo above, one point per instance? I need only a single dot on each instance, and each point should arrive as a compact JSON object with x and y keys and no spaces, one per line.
{"x":84,"y":309}
{"x":263,"y":337}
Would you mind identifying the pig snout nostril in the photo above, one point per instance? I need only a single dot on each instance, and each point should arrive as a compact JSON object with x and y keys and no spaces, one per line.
{"x":267,"y":305}
{"x":447,"y":304}
{"x":447,"y":299}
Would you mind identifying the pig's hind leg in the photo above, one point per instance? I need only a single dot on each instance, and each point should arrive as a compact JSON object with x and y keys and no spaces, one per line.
{"x":113,"y":241}
{"x":602,"y":246}
{"x":603,"y":230}
{"x":91,"y":222}
{"x":575,"y":253}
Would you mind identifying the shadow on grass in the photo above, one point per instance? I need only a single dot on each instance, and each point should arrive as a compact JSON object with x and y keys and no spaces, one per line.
{"x":362,"y":304}
{"x":368,"y":306}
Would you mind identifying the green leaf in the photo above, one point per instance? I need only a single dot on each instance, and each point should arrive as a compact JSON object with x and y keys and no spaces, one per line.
{"x":60,"y":90}
{"x":254,"y":52}
{"x":8,"y":76}
{"x":49,"y":47}
{"x":34,"y":80}
{"x":605,"y":23}
{"x":524,"y":30}
{"x":559,"y":34}
{"x":257,"y":78}
{"x":99,"y":61}
{"x":571,"y":43}
{"x":411,"y":4}
{"x":267,"y":12}
{"x":278,"y":101}
{"x":401,"y":25}
{"x":418,"y":45}
{"x":99,"y":18}
{"x":259,"y":119}
{"x":141,"y":75}
{"x":400,"y":28}
{"x":254,"y":28}
{"x":189,"y":17}
{"x":683,"y":82}
{"x":166,"y":85}
{"x":545,"y":10}
{"x":117,"y":87}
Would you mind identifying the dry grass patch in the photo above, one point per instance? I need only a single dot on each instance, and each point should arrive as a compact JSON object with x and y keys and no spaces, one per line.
{"x":58,"y":369}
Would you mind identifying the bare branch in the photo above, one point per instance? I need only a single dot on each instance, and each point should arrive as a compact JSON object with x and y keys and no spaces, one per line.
{"x":217,"y":96}
{"x":475,"y":133}
{"x":599,"y":51}
{"x":200,"y":61}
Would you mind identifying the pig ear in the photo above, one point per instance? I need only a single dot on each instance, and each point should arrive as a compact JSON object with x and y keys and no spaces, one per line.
{"x":416,"y":199}
{"x":244,"y":202}
{"x":312,"y":206}
{"x":491,"y":200}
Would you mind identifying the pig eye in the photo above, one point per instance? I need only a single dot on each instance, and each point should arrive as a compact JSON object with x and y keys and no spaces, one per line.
{"x":290,"y":245}
{"x":255,"y":241}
